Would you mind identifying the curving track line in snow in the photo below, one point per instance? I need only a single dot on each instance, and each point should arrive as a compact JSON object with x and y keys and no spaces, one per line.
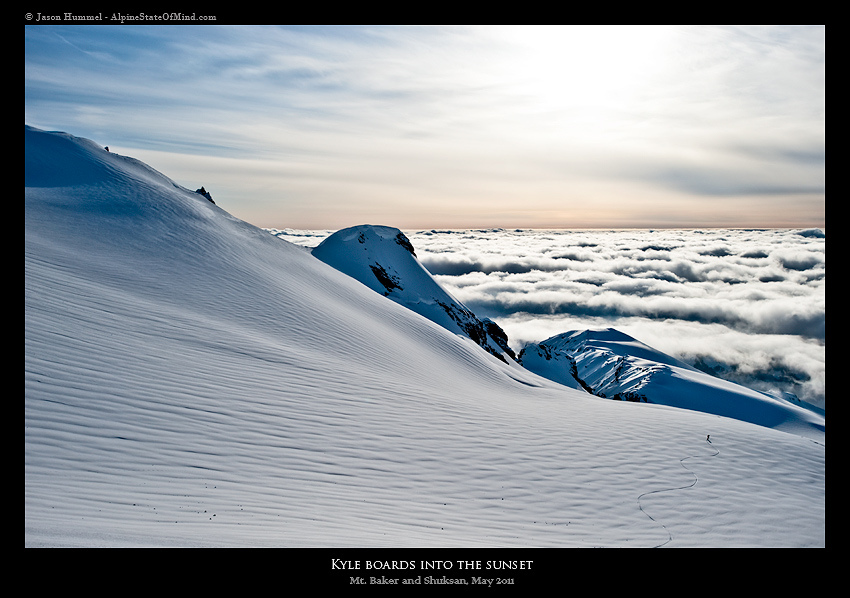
{"x":691,"y":485}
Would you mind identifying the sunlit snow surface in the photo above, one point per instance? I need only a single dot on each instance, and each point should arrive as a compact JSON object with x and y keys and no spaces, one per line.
{"x":190,"y":380}
{"x":747,"y":305}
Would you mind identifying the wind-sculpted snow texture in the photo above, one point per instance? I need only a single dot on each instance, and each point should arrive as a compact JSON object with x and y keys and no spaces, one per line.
{"x":191,"y":380}
{"x":606,"y":363}
{"x":609,"y":363}
{"x":748,"y":306}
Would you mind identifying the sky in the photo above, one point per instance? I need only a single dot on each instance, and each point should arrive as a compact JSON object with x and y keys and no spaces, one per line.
{"x":458,"y":126}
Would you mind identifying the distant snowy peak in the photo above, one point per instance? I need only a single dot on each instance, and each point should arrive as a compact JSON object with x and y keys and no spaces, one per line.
{"x":384,"y":259}
{"x":606,"y":363}
{"x":380,"y":257}
{"x":611,"y":364}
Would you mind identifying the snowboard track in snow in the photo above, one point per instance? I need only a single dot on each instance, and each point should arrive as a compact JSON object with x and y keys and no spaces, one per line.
{"x":677,"y":488}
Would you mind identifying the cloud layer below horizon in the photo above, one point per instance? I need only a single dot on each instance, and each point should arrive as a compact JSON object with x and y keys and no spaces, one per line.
{"x":456,"y":127}
{"x":749,"y":303}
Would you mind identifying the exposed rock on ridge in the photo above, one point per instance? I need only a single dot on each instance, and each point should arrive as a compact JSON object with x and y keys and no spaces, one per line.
{"x":384,"y":259}
{"x":611,"y":364}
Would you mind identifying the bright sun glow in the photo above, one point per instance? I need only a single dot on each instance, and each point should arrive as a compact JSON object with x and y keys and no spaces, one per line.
{"x":585,"y":67}
{"x":456,"y":126}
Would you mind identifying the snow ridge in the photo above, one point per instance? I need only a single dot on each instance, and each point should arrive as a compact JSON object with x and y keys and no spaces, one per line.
{"x":383,"y":258}
{"x":611,"y":364}
{"x":191,"y":380}
{"x":606,"y":363}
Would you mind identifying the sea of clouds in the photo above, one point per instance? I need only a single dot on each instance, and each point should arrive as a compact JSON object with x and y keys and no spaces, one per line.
{"x":747,"y":305}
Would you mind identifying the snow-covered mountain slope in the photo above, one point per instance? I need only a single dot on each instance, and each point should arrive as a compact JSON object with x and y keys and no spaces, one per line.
{"x":609,"y":363}
{"x":191,"y":380}
{"x":606,"y":363}
{"x":383,"y":259}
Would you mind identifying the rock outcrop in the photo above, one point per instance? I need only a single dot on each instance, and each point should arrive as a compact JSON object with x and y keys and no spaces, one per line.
{"x":384,"y":259}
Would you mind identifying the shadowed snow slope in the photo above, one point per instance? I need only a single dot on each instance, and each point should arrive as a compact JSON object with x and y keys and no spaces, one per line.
{"x":609,"y":363}
{"x":191,"y":380}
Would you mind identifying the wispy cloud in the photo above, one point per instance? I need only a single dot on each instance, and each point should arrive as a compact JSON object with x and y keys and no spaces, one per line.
{"x":456,"y":126}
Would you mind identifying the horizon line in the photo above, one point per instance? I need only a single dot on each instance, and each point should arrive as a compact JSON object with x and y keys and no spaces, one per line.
{"x":558,"y":228}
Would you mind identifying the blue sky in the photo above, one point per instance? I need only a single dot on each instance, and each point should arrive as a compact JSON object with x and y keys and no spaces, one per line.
{"x":455,"y":127}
